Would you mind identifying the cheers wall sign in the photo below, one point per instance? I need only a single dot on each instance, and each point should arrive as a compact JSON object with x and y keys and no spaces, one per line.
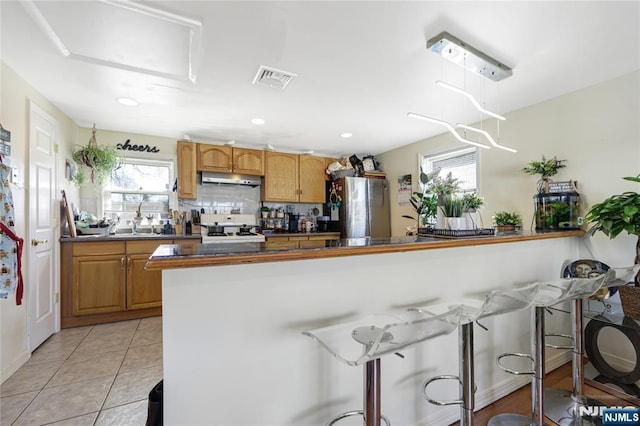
{"x":128,"y":146}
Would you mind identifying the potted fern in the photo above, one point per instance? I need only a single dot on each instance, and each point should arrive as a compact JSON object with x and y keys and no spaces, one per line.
{"x":545,"y":168}
{"x":621,"y":213}
{"x":506,"y":221}
{"x":98,"y":160}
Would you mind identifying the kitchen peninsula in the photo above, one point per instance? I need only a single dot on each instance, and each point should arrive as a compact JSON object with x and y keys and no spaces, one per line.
{"x":233,"y":317}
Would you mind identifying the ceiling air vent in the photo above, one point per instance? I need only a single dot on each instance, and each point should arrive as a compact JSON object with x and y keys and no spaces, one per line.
{"x":272,"y":77}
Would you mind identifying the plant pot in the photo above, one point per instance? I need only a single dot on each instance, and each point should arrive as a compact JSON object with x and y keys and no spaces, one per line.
{"x":506,"y":228}
{"x":473,"y":219}
{"x":630,"y":300}
{"x":455,"y":223}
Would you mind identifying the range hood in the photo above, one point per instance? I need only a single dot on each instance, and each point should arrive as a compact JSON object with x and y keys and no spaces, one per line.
{"x":230,"y":179}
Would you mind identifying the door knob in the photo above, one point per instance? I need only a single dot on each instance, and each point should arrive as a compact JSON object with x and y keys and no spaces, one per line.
{"x":35,"y":242}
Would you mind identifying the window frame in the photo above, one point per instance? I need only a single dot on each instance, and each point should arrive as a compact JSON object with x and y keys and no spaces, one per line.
{"x":427,"y":161}
{"x":170,"y":164}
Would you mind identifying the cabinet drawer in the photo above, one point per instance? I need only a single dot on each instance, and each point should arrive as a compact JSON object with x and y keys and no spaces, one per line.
{"x":281,"y":244}
{"x":315,"y":243}
{"x":144,"y":247}
{"x":98,"y":248}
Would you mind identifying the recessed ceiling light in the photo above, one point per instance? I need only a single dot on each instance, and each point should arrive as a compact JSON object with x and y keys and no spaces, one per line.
{"x":346,"y":135}
{"x":127,"y":101}
{"x":257,"y":121}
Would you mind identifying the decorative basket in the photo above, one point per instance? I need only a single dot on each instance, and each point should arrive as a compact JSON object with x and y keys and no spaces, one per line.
{"x":455,"y":233}
{"x":630,"y":300}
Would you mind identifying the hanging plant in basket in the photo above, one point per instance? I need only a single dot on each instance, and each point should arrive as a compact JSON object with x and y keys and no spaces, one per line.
{"x":614,"y":215}
{"x":98,"y":160}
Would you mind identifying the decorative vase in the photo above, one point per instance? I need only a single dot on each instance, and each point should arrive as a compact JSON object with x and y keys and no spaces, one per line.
{"x":472,"y":219}
{"x":456,"y":223}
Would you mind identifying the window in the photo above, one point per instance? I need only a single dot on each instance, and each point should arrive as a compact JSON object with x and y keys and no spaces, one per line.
{"x":462,"y":164}
{"x":139,"y":181}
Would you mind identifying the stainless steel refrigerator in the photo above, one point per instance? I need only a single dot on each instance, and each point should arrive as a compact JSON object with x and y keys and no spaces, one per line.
{"x":360,"y":206}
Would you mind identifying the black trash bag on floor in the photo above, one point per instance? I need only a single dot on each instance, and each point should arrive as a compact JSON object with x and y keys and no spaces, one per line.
{"x":154,"y":410}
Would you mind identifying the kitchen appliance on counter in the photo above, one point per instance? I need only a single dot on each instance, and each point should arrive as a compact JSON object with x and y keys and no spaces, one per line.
{"x":359,"y":207}
{"x":229,"y":228}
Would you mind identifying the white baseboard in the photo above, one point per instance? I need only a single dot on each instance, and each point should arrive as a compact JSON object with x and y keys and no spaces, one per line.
{"x":14,"y":366}
{"x":485,"y":397}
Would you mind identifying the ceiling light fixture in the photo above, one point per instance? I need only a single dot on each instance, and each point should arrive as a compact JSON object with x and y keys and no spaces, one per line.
{"x":346,"y":135}
{"x":486,"y":135}
{"x":448,"y":127}
{"x":308,"y":152}
{"x":270,"y":147}
{"x":456,"y":50}
{"x":127,"y":102}
{"x":230,"y":143}
{"x":257,"y":121}
{"x":471,"y":98}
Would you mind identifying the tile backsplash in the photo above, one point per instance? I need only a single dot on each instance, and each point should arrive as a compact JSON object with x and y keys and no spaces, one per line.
{"x":242,"y":199}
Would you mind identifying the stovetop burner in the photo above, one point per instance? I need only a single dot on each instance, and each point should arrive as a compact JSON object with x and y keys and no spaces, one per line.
{"x":216,"y":234}
{"x":245,"y":233}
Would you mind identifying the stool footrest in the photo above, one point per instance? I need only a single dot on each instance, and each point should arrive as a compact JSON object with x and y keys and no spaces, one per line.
{"x":354,"y":413}
{"x":515,"y":372}
{"x":564,"y":336}
{"x":435,"y":379}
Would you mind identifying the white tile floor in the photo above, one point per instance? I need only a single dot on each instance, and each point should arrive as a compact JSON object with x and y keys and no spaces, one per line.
{"x":94,"y":375}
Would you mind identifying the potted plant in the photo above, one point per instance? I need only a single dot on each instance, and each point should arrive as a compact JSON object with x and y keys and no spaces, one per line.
{"x":473,"y":204}
{"x":425,"y":203}
{"x":506,"y":221}
{"x":545,"y":168}
{"x":621,"y":213}
{"x":99,"y":160}
{"x":454,"y":207}
{"x":264,"y":210}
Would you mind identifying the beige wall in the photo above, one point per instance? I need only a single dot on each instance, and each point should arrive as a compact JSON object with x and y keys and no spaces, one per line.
{"x":595,"y":129}
{"x":16,"y":96}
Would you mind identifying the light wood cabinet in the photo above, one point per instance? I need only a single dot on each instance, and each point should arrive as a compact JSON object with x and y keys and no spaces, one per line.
{"x":106,"y":281}
{"x":312,"y":181}
{"x":98,"y":284}
{"x":248,"y":161}
{"x":294,"y":178}
{"x":186,"y":165}
{"x":214,"y":158}
{"x":300,"y":241}
{"x":225,"y":159}
{"x":280,"y":177}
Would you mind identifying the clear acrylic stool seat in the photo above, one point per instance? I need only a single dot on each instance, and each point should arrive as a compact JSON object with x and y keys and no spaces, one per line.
{"x":562,"y":406}
{"x":365,"y":340}
{"x":550,"y":293}
{"x":497,"y":302}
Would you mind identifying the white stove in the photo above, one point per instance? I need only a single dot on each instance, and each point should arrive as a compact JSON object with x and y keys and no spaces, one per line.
{"x":231,"y":224}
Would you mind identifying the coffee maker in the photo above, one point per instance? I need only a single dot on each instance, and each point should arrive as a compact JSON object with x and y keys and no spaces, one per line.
{"x":293,"y":222}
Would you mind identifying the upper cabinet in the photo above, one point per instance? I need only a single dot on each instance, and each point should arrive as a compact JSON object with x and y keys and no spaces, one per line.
{"x":215,"y":158}
{"x":220,"y":158}
{"x":294,"y":178}
{"x":248,"y":161}
{"x":186,"y":153}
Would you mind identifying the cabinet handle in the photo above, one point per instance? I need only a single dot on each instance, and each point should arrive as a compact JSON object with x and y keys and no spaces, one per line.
{"x":35,"y":242}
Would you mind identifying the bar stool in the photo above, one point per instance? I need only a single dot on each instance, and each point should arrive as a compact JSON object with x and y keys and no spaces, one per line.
{"x":562,"y":406}
{"x":365,"y":340}
{"x":497,"y":302}
{"x":549,"y":294}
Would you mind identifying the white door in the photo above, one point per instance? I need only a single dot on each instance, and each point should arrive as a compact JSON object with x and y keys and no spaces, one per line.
{"x":40,"y":287}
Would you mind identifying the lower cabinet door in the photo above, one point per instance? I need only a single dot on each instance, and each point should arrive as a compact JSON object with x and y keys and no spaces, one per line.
{"x":98,"y":284}
{"x":144,"y":288}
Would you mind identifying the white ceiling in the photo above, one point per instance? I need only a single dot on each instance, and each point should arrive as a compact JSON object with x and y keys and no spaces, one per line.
{"x":360,"y":65}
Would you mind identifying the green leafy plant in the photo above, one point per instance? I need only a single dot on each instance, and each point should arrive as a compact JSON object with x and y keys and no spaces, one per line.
{"x":503,"y":218}
{"x":425,"y":203}
{"x":444,"y":186}
{"x":616,"y":214}
{"x":545,"y":168}
{"x":473,"y":202}
{"x":99,"y":160}
{"x":454,"y":206}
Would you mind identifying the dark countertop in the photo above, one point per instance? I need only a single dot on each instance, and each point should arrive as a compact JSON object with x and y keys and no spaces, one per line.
{"x":299,"y":234}
{"x":127,"y":237}
{"x":171,"y":256}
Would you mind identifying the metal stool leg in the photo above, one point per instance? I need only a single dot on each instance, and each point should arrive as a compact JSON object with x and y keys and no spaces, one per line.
{"x":563,"y":407}
{"x":372,"y":393}
{"x":467,"y":377}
